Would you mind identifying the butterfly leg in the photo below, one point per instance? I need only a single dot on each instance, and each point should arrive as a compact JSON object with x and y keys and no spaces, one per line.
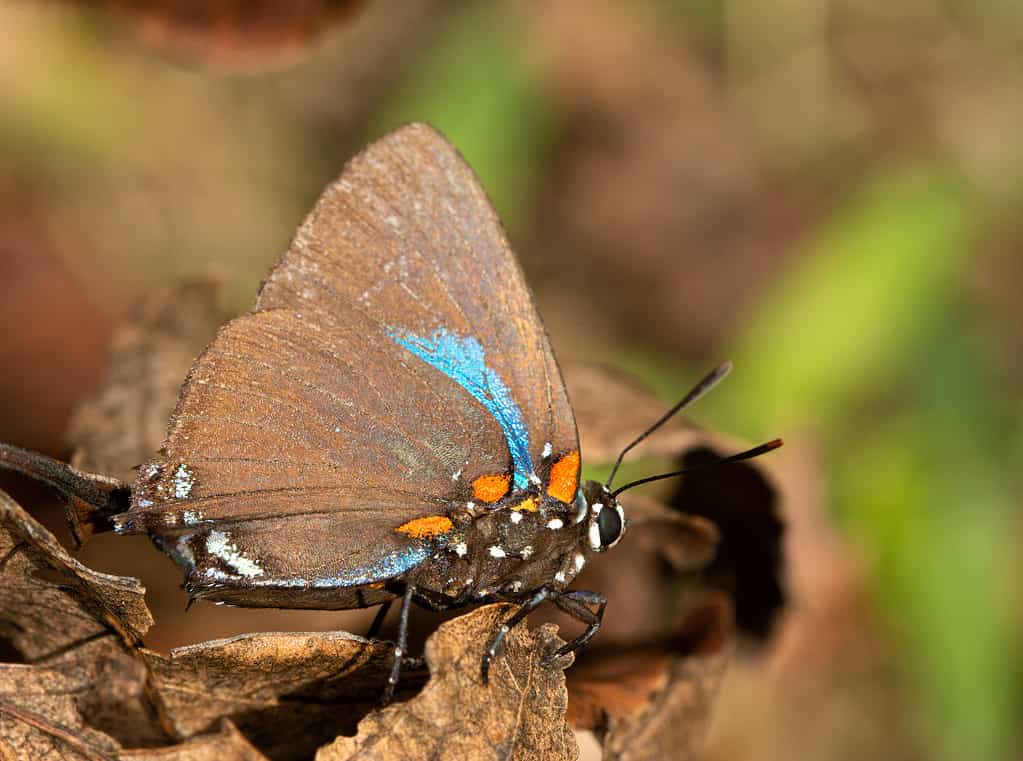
{"x":400,"y":646}
{"x":497,"y":641}
{"x":378,"y":620}
{"x":576,"y":604}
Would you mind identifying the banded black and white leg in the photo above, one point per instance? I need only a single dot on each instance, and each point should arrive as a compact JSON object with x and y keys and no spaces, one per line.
{"x":400,"y":646}
{"x":576,"y":603}
{"x":497,"y":641}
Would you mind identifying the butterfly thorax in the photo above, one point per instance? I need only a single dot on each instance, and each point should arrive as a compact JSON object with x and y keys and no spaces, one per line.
{"x":504,"y":551}
{"x":515,"y":547}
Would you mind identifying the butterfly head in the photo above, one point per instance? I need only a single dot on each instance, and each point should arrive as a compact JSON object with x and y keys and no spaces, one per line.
{"x":599,"y":512}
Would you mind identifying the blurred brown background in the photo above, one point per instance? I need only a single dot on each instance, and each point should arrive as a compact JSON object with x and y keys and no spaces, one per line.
{"x":826,"y":192}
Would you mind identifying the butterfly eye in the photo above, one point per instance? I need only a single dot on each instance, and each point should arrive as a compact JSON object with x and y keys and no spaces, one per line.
{"x":611,"y":525}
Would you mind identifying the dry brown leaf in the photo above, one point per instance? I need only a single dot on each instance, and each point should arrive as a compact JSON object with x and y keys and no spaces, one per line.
{"x":654,"y":702}
{"x":40,"y":718}
{"x":674,"y":721}
{"x":124,"y":422}
{"x":288,"y":692}
{"x":226,"y":745}
{"x":519,"y":715}
{"x":58,"y":614}
{"x":49,"y":602}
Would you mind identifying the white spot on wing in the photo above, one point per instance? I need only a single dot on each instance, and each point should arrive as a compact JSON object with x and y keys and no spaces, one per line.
{"x":183,"y":481}
{"x":527,"y":551}
{"x":461,"y":549}
{"x":219,"y":544}
{"x":456,"y":475}
{"x":555,"y":523}
{"x":547,"y":449}
{"x":191,"y":517}
{"x":497,"y":552}
{"x":185,"y":550}
{"x":516,"y":516}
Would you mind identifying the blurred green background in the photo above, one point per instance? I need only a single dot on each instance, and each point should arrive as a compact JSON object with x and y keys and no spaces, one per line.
{"x":826,"y":192}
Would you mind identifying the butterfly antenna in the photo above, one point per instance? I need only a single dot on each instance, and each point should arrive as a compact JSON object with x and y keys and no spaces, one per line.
{"x":747,"y":455}
{"x":714,"y":377}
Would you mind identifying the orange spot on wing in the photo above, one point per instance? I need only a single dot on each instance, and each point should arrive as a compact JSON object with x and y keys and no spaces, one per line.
{"x":491,"y":488}
{"x":565,"y":478}
{"x":427,"y":528}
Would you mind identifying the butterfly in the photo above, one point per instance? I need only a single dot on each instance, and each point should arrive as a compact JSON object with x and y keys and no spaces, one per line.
{"x":387,"y":422}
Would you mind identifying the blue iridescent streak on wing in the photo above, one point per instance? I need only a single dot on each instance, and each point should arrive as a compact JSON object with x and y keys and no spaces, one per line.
{"x":389,"y":566}
{"x":464,"y":361}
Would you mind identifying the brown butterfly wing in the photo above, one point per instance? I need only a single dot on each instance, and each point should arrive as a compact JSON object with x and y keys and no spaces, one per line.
{"x":308,"y":432}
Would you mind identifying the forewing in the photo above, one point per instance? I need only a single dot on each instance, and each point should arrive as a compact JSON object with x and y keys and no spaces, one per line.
{"x":408,"y":237}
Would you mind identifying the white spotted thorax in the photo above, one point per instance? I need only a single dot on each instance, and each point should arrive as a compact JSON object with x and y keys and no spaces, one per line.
{"x":527,"y":543}
{"x":598,"y":525}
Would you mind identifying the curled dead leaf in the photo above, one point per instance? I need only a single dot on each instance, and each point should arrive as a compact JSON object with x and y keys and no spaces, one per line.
{"x":50,"y":603}
{"x":519,"y":715}
{"x":57,"y":614}
{"x":228,"y":744}
{"x":287,"y":692}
